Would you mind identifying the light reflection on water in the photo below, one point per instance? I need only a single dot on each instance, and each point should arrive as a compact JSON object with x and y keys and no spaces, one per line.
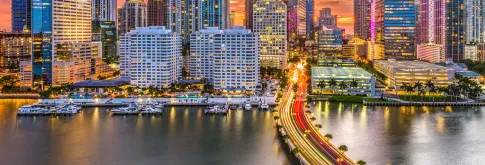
{"x":183,"y":135}
{"x":405,"y":135}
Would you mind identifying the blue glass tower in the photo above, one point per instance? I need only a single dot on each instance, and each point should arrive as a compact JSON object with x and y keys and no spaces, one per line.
{"x":21,"y":15}
{"x":399,"y":25}
{"x":310,"y":8}
{"x":42,"y":42}
{"x":215,"y":13}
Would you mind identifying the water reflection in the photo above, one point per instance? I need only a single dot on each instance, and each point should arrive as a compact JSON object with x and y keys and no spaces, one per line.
{"x":406,"y":135}
{"x":183,"y":135}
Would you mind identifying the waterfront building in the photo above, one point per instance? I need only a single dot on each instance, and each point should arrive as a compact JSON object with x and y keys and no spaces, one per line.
{"x":16,"y":47}
{"x":270,"y":25}
{"x":236,"y":60}
{"x":365,"y":80}
{"x":104,"y":10}
{"x":326,"y":18}
{"x":151,"y":56}
{"x":310,"y":9}
{"x":105,"y":33}
{"x":21,"y":15}
{"x":201,"y":53}
{"x":329,"y":42}
{"x":432,"y":53}
{"x":131,"y":15}
{"x":65,"y":41}
{"x":399,"y":72}
{"x":26,"y":73}
{"x":362,"y":19}
{"x":299,"y":10}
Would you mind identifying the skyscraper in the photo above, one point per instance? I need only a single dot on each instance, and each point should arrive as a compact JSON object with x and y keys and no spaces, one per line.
{"x":310,"y":7}
{"x":131,"y":15}
{"x":232,"y":18}
{"x":455,"y":30}
{"x":362,"y":19}
{"x":105,"y":32}
{"x":249,"y":13}
{"x":474,"y":13}
{"x":21,"y":15}
{"x":300,"y":11}
{"x":215,"y":13}
{"x":157,"y":13}
{"x":202,"y":50}
{"x":431,"y":24}
{"x":62,"y":47}
{"x":399,"y":29}
{"x":326,"y":18}
{"x":104,"y":10}
{"x":270,"y":24}
{"x":329,"y":42}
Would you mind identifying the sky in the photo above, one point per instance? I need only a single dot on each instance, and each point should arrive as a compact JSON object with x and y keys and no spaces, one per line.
{"x":342,"y":8}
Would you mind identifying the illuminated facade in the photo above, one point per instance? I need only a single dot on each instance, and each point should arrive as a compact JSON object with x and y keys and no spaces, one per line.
{"x":21,"y":15}
{"x":471,"y":52}
{"x":399,"y":72}
{"x":104,"y":10}
{"x":157,"y":13}
{"x":249,"y":13}
{"x":474,"y":21}
{"x":366,"y":82}
{"x":105,"y":32}
{"x":329,"y":42}
{"x":362,"y":19}
{"x":17,"y":47}
{"x":131,"y":15}
{"x":26,"y":74}
{"x":310,"y":9}
{"x":399,"y":29}
{"x":236,"y":60}
{"x":299,"y":9}
{"x":432,"y":53}
{"x":215,"y":13}
{"x":326,"y":18}
{"x":455,"y":32}
{"x":151,"y":56}
{"x":201,"y":53}
{"x":432,"y":22}
{"x":270,"y":25}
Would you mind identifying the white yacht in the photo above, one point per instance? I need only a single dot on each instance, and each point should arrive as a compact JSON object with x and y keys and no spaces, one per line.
{"x":26,"y":109}
{"x":247,"y":107}
{"x":264,"y":106}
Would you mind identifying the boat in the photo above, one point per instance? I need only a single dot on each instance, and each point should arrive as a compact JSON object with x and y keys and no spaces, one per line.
{"x":150,"y":109}
{"x":131,"y":109}
{"x":67,"y":110}
{"x":247,"y":107}
{"x":264,"y":106}
{"x":221,"y":109}
{"x":240,"y":106}
{"x":210,"y":110}
{"x":26,"y":109}
{"x":233,"y":107}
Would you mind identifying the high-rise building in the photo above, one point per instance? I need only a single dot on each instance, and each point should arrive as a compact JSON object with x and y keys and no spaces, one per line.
{"x":300,"y":11}
{"x":362,"y":19}
{"x":104,"y":10}
{"x":432,"y":53}
{"x":232,"y":18}
{"x":105,"y":33}
{"x":270,"y":24}
{"x":310,"y":9}
{"x":21,"y":15}
{"x":236,"y":60}
{"x":326,"y":18}
{"x":151,"y":56}
{"x":215,"y":13}
{"x":157,"y":13}
{"x":431,"y":23}
{"x":249,"y":4}
{"x":131,"y":15}
{"x":399,"y":29}
{"x":202,"y":53}
{"x":329,"y":42}
{"x":455,"y":30}
{"x":64,"y":41}
{"x":474,"y":21}
{"x":16,"y":47}
{"x":191,"y":18}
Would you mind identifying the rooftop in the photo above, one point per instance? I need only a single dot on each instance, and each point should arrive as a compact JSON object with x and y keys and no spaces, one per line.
{"x":339,"y":72}
{"x":468,"y":74}
{"x":416,"y":64}
{"x":150,"y":30}
{"x":102,"y":83}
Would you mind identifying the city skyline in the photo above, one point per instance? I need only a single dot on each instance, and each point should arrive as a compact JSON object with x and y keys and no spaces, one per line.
{"x":339,"y":7}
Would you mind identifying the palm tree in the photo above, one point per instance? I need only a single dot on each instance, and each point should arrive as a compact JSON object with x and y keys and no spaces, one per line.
{"x":321,"y":84}
{"x":353,"y":83}
{"x":332,"y":83}
{"x":429,"y":84}
{"x":410,"y":89}
{"x":343,"y":85}
{"x":433,"y":90}
{"x":404,"y":88}
{"x":418,"y":85}
{"x":343,"y":148}
{"x":361,"y":162}
{"x":328,"y":136}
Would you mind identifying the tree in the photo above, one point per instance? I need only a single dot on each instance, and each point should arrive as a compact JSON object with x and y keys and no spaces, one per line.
{"x":130,"y":90}
{"x":354,"y":83}
{"x":343,"y":148}
{"x":321,"y":84}
{"x":332,"y":83}
{"x":342,"y":85}
{"x":328,"y":136}
{"x":276,"y":117}
{"x":429,"y":84}
{"x":404,"y":88}
{"x":361,"y":162}
{"x":295,"y":88}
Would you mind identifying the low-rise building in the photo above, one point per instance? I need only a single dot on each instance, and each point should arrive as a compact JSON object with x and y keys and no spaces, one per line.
{"x":399,"y":72}
{"x":365,"y":80}
{"x":16,"y":47}
{"x":26,"y":79}
{"x":431,"y":53}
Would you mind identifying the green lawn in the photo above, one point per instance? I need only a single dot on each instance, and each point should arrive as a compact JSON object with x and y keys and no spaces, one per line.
{"x":416,"y":98}
{"x":350,"y":99}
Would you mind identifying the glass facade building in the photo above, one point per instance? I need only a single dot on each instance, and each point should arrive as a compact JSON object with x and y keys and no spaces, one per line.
{"x":455,"y":30}
{"x":21,"y":15}
{"x":310,"y":9}
{"x":42,"y":42}
{"x":399,"y":29}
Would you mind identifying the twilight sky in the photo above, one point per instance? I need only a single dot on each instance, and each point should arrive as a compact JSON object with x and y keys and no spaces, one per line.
{"x":342,"y":8}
